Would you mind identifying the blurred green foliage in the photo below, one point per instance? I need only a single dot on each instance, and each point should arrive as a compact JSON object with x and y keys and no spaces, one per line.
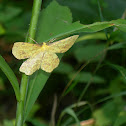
{"x":103,"y":79}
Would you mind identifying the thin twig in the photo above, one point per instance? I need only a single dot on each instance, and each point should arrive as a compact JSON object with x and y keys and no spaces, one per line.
{"x":52,"y":123}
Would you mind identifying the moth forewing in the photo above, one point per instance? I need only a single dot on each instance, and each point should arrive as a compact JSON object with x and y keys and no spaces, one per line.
{"x":63,"y":45}
{"x":23,"y":50}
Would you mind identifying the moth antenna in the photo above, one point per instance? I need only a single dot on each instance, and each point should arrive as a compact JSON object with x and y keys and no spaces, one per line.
{"x":52,"y":40}
{"x":33,"y":40}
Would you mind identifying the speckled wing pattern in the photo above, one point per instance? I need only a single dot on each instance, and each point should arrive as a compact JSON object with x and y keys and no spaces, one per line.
{"x":32,"y":64}
{"x":49,"y":62}
{"x":23,"y":50}
{"x":43,"y":57}
{"x":63,"y":45}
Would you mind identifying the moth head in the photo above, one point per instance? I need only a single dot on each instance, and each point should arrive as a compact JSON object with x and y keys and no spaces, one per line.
{"x":44,"y":46}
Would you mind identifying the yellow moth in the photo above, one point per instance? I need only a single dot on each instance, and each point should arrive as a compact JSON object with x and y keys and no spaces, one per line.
{"x":41,"y":56}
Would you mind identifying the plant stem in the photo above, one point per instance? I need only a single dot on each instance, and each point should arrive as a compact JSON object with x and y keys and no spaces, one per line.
{"x":34,"y":19}
{"x":21,"y":103}
{"x":24,"y":81}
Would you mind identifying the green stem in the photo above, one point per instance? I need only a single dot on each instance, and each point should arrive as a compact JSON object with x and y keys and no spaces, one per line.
{"x":21,"y":103}
{"x":34,"y":19}
{"x":24,"y":81}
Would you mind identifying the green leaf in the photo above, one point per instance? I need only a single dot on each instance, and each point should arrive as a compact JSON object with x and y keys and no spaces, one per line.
{"x":117,"y":36}
{"x":36,"y":84}
{"x":36,"y":122}
{"x":69,"y":110}
{"x":98,"y":26}
{"x":8,"y":12}
{"x":72,"y":113}
{"x":120,"y":24}
{"x":117,"y":46}
{"x":121,"y":69}
{"x":106,"y":115}
{"x":121,"y":119}
{"x":71,"y":87}
{"x":34,"y":109}
{"x":2,"y":30}
{"x":98,"y":35}
{"x":56,"y":21}
{"x":11,"y":76}
{"x":88,"y":52}
{"x":110,"y":112}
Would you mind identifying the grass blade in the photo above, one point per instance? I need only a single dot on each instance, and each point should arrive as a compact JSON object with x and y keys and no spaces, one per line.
{"x":11,"y":76}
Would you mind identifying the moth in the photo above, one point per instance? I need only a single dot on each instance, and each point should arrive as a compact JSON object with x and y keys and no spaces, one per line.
{"x":41,"y":56}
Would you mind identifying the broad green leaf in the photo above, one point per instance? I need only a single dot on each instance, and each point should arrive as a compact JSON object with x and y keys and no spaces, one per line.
{"x":8,"y":12}
{"x":2,"y":30}
{"x":87,"y":52}
{"x":36,"y":84}
{"x":87,"y":11}
{"x":56,"y":21}
{"x":11,"y":76}
{"x":121,"y":69}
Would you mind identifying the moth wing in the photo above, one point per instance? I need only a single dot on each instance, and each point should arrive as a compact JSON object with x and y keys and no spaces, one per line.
{"x":23,"y":50}
{"x":32,"y":64}
{"x":49,"y":62}
{"x":63,"y":45}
